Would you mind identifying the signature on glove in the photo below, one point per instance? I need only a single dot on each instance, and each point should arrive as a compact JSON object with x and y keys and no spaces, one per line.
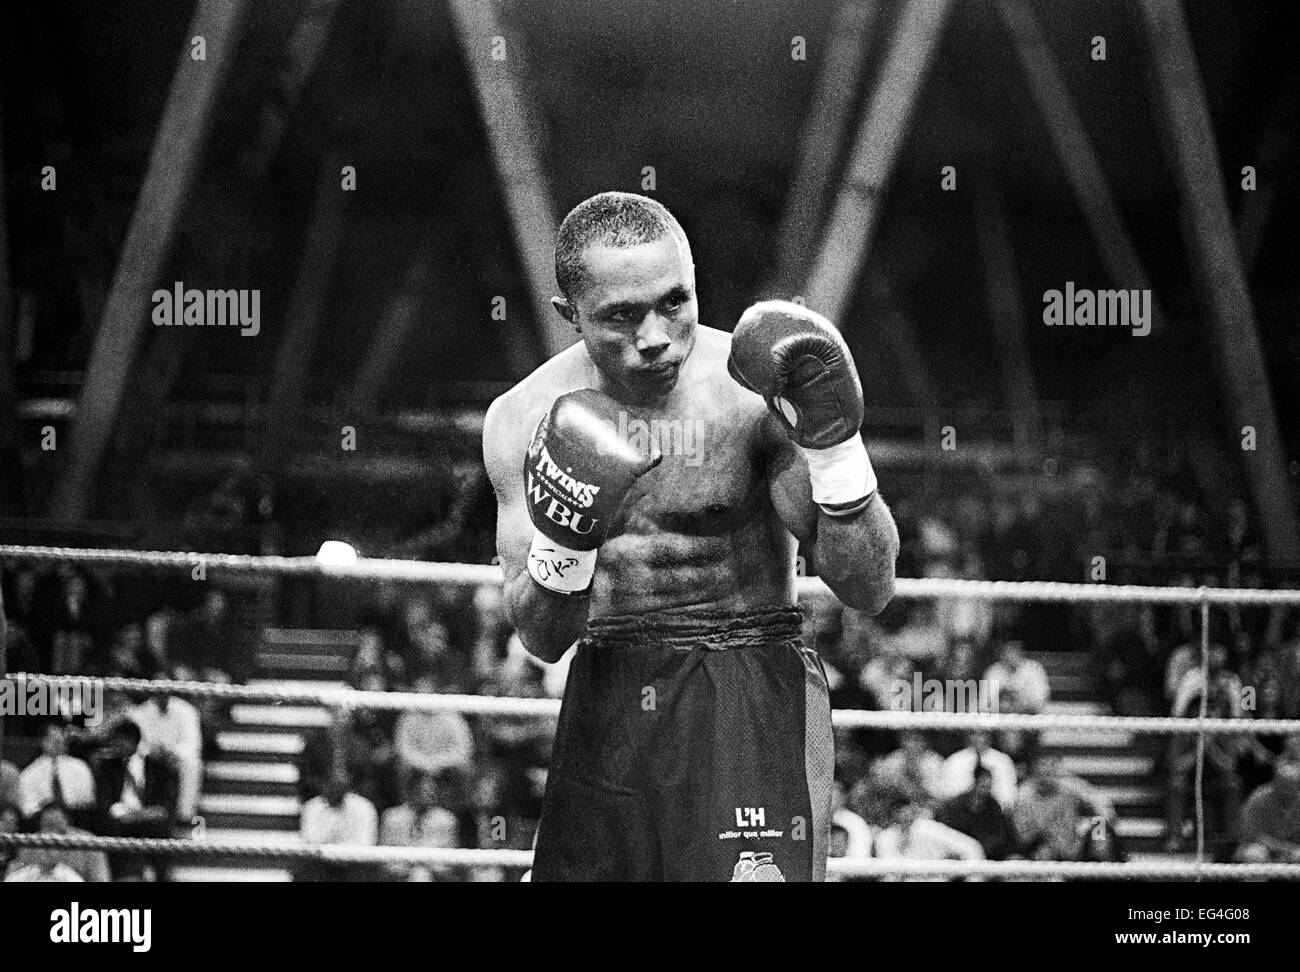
{"x":548,"y":567}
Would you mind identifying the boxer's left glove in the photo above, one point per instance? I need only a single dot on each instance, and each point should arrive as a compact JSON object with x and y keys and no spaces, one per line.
{"x":576,"y":472}
{"x":799,"y":363}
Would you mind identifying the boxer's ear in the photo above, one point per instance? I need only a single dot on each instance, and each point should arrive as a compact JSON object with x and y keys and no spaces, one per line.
{"x":567,"y":311}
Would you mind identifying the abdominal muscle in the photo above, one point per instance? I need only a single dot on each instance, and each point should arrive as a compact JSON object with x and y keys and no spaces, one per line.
{"x":744,"y":569}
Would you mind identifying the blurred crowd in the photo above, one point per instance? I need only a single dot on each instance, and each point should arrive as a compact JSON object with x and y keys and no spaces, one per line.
{"x":442,"y":779}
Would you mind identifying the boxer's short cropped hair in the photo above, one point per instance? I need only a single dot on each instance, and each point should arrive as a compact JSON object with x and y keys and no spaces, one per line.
{"x":616,"y":219}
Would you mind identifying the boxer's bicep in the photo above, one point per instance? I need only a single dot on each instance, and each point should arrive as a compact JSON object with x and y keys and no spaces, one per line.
{"x":503,"y":456}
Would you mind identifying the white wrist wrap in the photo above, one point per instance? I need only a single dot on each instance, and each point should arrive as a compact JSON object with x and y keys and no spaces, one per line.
{"x":840,"y":474}
{"x":559,"y":569}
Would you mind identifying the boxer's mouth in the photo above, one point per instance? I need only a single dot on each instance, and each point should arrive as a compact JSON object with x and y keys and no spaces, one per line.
{"x":658,"y":372}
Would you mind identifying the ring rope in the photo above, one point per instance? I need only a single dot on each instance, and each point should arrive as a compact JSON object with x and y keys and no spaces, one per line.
{"x":470,"y":857}
{"x":501,"y":705}
{"x":481,"y":574}
{"x":477,"y":574}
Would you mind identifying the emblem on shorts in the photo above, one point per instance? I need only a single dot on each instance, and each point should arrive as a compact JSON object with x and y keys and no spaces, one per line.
{"x":756,"y":867}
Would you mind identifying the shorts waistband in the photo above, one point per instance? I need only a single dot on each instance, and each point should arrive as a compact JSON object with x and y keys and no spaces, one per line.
{"x":714,"y":630}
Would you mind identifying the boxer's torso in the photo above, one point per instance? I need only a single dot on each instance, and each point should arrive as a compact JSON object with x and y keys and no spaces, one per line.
{"x":699,"y":531}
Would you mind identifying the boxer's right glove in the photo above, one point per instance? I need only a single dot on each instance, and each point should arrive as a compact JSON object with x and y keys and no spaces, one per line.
{"x":576,"y":472}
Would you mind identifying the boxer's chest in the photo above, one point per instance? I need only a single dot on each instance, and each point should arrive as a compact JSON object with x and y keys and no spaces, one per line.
{"x":711,"y":478}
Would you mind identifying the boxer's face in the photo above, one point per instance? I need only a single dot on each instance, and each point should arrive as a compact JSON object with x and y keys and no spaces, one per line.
{"x":637,"y":315}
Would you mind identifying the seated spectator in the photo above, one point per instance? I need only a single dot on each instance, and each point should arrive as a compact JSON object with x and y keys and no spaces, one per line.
{"x":921,"y":640}
{"x":433,"y":656}
{"x":88,"y":865}
{"x":127,"y":657}
{"x":337,"y":816}
{"x":11,"y":785}
{"x":885,"y":677}
{"x":913,"y":769}
{"x":958,"y":774}
{"x":56,"y":776}
{"x":10,"y":818}
{"x":1223,"y":752}
{"x":977,"y":814}
{"x":136,"y":795}
{"x":850,"y":835}
{"x":1182,"y":660}
{"x":209,"y":644}
{"x":373,"y":668}
{"x":361,"y":741}
{"x":171,"y":725}
{"x":1049,"y":808}
{"x":967,"y":619}
{"x":912,"y":835}
{"x":1270,"y":820}
{"x":1018,"y":685}
{"x":519,"y":745}
{"x":432,"y":742}
{"x":1101,"y":843}
{"x":67,"y":621}
{"x":419,"y":822}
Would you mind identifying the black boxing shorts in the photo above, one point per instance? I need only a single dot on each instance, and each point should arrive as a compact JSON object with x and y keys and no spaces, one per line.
{"x":690,"y":747}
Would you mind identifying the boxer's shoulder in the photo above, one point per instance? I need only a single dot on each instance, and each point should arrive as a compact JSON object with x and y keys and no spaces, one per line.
{"x":512,"y":416}
{"x":727,"y":394}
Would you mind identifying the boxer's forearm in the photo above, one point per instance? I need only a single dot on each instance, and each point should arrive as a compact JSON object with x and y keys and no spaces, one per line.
{"x":855,"y":555}
{"x":548,"y":623}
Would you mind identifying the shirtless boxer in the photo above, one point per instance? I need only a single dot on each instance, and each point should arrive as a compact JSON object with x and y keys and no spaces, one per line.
{"x":694,"y":742}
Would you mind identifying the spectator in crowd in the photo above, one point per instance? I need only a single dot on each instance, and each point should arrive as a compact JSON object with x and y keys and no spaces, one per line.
{"x":56,"y":776}
{"x":88,"y":865}
{"x":171,"y":725}
{"x":963,"y":618}
{"x":136,"y":795}
{"x":68,"y":621}
{"x":1270,"y":820}
{"x":492,"y":630}
{"x":432,"y":742}
{"x":1101,"y":842}
{"x":419,"y":822}
{"x":208,"y":643}
{"x":913,"y":769}
{"x":958,"y":774}
{"x":338,"y":816}
{"x":1019,"y":685}
{"x":11,"y":786}
{"x":374,"y":668}
{"x":1049,"y":808}
{"x":1287,"y":659}
{"x":920,"y":640}
{"x":517,"y":746}
{"x":1260,"y":751}
{"x":976,"y":813}
{"x":1129,"y":653}
{"x":433,"y":657}
{"x":360,"y":741}
{"x":911,"y":834}
{"x":1223,"y":752}
{"x":127,"y":657}
{"x":887,"y":677}
{"x":850,"y":835}
{"x":10,"y":817}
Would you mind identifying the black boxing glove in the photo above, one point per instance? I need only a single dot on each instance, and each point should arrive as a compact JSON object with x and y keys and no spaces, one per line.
{"x":800,"y":364}
{"x":576,"y":472}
